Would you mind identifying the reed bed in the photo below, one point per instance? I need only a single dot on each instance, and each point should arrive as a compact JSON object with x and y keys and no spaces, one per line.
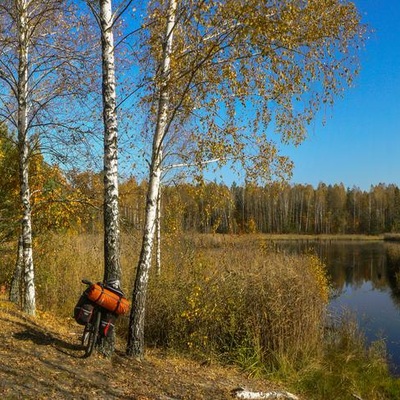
{"x":244,"y":305}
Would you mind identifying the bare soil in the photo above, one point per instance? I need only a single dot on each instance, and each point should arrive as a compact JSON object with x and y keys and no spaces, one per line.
{"x":41,"y":358}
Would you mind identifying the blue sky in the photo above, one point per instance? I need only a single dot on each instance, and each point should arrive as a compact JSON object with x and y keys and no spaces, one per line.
{"x":360,"y":143}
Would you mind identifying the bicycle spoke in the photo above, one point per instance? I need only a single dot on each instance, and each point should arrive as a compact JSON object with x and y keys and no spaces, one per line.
{"x":90,"y":333}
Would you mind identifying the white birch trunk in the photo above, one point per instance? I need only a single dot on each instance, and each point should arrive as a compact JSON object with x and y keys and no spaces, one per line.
{"x":136,"y":323}
{"x":23,"y":40}
{"x":112,"y":268}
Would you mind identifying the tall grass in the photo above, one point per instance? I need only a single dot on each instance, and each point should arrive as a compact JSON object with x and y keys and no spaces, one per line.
{"x":232,"y":300}
{"x":349,"y":368}
{"x":251,"y":307}
{"x":61,"y":261}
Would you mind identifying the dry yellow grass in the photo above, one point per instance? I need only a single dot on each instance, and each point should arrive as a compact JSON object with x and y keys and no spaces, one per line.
{"x":218,"y":299}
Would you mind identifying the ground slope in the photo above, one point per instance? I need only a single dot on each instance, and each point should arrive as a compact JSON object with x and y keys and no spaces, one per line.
{"x":40,"y":358}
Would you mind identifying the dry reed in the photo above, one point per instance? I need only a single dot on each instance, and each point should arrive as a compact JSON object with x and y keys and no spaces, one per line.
{"x":233,"y":299}
{"x":243,"y":303}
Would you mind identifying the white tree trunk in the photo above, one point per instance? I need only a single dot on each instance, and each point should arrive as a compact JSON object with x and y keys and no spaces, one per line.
{"x":112,"y":265}
{"x":136,"y":324}
{"x":112,"y":268}
{"x":23,"y":40}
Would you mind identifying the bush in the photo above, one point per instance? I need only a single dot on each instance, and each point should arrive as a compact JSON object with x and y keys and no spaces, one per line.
{"x":243,"y":305}
{"x":8,"y":255}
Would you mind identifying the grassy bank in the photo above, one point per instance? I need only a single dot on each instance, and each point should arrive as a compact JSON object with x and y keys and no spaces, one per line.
{"x":392,"y":237}
{"x":209,"y":239}
{"x":232,"y":300}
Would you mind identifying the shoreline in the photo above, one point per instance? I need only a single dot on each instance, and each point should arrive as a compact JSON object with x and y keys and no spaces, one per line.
{"x":302,"y":237}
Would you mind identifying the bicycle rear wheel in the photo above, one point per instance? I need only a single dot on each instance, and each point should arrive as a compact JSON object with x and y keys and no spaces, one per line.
{"x":91,"y":333}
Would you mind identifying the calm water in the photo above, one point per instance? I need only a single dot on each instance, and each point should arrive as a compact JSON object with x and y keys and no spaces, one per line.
{"x":363,"y":276}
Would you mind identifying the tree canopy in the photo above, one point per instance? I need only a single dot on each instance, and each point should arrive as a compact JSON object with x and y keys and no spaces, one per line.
{"x":242,"y":71}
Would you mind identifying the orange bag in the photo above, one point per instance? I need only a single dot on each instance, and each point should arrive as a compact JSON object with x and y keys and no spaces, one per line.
{"x":108,"y":299}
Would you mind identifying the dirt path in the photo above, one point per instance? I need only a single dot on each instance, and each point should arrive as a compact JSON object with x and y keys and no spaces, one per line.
{"x":41,"y":359}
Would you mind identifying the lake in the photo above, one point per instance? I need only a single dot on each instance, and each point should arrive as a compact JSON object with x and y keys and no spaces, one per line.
{"x":363,"y":275}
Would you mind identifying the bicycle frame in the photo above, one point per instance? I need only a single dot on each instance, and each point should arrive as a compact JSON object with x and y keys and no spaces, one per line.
{"x":91,"y":330}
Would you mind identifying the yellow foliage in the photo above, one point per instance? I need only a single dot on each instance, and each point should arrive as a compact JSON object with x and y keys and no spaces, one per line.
{"x":247,"y":65}
{"x":56,"y":204}
{"x":319,"y":272}
{"x":252,"y":226}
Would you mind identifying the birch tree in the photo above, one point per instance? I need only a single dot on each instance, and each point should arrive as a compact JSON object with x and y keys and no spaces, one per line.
{"x":23,"y":147}
{"x":233,"y":80}
{"x":102,"y":11}
{"x":112,"y":265}
{"x":39,"y":65}
{"x":106,"y":20}
{"x":136,"y":325}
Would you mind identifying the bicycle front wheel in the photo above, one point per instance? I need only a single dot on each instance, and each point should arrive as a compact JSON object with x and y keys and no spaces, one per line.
{"x":91,"y":333}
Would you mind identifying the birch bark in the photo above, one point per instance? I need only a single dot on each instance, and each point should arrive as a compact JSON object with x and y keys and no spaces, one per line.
{"x":22,"y":122}
{"x":112,"y":265}
{"x":135,"y":345}
{"x":112,"y":268}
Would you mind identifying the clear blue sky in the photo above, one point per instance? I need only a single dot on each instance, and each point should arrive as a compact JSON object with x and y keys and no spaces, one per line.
{"x":360,"y":143}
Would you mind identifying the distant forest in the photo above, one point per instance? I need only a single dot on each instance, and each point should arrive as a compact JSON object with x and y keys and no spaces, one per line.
{"x":74,"y":201}
{"x":276,"y":208}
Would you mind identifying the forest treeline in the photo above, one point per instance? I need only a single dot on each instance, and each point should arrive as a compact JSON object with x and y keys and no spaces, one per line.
{"x":73,"y":201}
{"x":275,"y":208}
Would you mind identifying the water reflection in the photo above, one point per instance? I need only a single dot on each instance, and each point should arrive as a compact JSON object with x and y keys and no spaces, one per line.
{"x":366,"y":281}
{"x":393,"y":266}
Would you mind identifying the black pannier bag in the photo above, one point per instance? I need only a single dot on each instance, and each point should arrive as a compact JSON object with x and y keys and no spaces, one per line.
{"x":107,"y":323}
{"x":83,"y":310}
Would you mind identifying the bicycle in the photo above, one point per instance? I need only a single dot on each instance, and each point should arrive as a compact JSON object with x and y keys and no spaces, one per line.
{"x":98,"y":309}
{"x":92,"y":327}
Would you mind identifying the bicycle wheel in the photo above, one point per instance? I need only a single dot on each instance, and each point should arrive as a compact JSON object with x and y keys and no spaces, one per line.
{"x":91,"y":332}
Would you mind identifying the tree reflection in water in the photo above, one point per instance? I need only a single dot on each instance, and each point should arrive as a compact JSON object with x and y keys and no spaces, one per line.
{"x":365,"y":276}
